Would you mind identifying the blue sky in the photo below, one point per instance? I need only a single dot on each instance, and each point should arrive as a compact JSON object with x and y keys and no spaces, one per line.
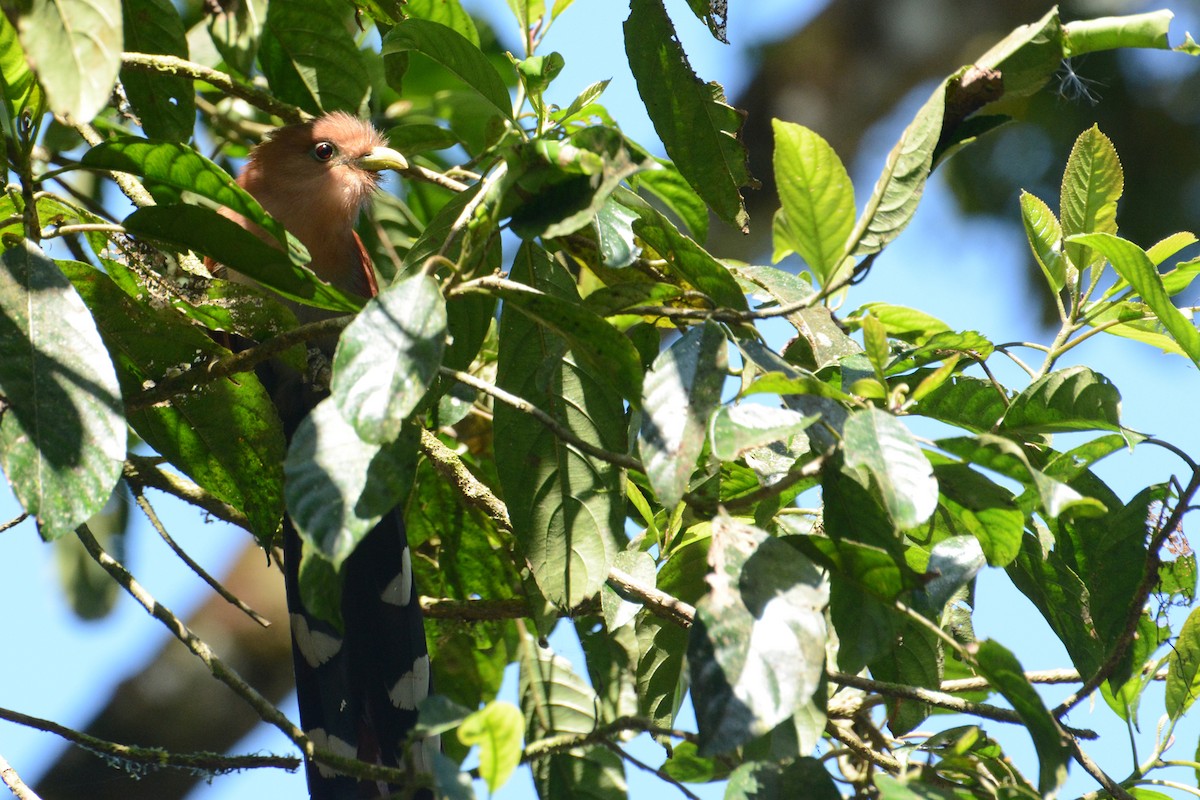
{"x":55,"y":664}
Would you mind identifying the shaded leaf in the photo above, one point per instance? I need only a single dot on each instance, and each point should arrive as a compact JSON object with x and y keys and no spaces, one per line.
{"x":879,"y":444}
{"x":62,"y":433}
{"x":898,"y":190}
{"x":1004,"y":673}
{"x":223,"y":434}
{"x":338,"y":486}
{"x":223,"y":240}
{"x":310,"y":58}
{"x":75,"y":47}
{"x":557,"y":701}
{"x":388,"y":356}
{"x":164,"y":103}
{"x":757,"y":648}
{"x":456,"y":53}
{"x":804,"y":777}
{"x":565,"y":505}
{"x":736,"y":429}
{"x":682,"y":388}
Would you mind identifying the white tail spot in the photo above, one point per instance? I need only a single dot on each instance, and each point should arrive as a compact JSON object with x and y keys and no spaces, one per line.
{"x":317,"y":647}
{"x":412,"y":687}
{"x":398,"y":592}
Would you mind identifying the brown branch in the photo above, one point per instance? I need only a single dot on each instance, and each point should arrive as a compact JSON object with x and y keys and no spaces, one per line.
{"x":153,"y":757}
{"x":14,"y":522}
{"x":543,"y":748}
{"x":656,"y":601}
{"x":13,"y":781}
{"x":144,"y":471}
{"x":660,"y":774}
{"x":216,"y":585}
{"x":1093,"y":769}
{"x":447,"y":464}
{"x":474,"y":610}
{"x":218,"y":367}
{"x":843,"y":734}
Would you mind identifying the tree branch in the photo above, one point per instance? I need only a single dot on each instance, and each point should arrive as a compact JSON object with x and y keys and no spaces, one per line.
{"x":218,"y":367}
{"x":143,"y":471}
{"x":543,"y":748}
{"x":13,"y":781}
{"x":174,"y":65}
{"x":153,"y":757}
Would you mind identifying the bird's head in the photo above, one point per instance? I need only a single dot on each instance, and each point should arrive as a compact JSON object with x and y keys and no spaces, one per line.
{"x":319,"y":172}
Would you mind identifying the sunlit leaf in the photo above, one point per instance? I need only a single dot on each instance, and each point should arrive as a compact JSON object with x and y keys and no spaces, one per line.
{"x":75,"y":47}
{"x":1092,"y":183}
{"x":879,"y":444}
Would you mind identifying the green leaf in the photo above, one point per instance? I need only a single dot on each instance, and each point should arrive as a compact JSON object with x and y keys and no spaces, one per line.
{"x":1071,"y":399}
{"x":1132,"y":264}
{"x":556,"y":701}
{"x":338,"y":486}
{"x":224,"y":241}
{"x":20,"y":87}
{"x":62,"y":433}
{"x":817,"y":196}
{"x":1004,"y":673}
{"x":593,"y":341}
{"x":75,"y":47}
{"x":900,"y":185}
{"x":674,"y":192}
{"x":1091,"y":185}
{"x":179,"y":166}
{"x":700,"y":132}
{"x":565,"y":505}
{"x":914,"y":659}
{"x":879,"y":444}
{"x":454,"y":52}
{"x":971,"y":403}
{"x":497,"y":728}
{"x":757,"y":648}
{"x":619,"y":612}
{"x":977,"y":506}
{"x":1045,"y":239}
{"x":236,"y":33}
{"x":1116,"y":33}
{"x":737,"y":429}
{"x":165,"y":103}
{"x":1168,"y":246}
{"x":310,"y":58}
{"x":224,"y":434}
{"x":804,"y":777}
{"x":681,"y":390}
{"x":559,"y":187}
{"x":684,"y":257}
{"x":1183,"y":668}
{"x":445,"y":12}
{"x":1006,"y":457}
{"x":388,"y":356}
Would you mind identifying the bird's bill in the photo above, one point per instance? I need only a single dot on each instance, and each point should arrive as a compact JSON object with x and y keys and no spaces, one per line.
{"x":382,"y":158}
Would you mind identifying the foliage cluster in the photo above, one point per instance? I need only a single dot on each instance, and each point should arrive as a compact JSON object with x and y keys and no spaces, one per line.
{"x":557,"y":421}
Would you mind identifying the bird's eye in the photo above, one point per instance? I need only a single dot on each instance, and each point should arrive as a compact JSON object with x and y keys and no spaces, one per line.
{"x":323,"y":151}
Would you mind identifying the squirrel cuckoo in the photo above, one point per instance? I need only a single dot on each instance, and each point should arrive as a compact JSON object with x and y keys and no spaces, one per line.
{"x":358,"y":688}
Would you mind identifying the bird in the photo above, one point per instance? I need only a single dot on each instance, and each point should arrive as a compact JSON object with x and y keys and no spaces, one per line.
{"x":358,"y":687}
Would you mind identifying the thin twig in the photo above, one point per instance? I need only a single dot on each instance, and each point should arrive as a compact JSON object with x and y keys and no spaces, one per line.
{"x":218,"y":367}
{"x":660,"y":603}
{"x":543,"y":748}
{"x":147,"y":509}
{"x":178,"y":66}
{"x":843,"y":734}
{"x":1093,"y":769}
{"x":474,"y":610}
{"x":156,"y":757}
{"x":558,"y":429}
{"x":13,"y":781}
{"x":144,"y":471}
{"x":620,"y":751}
{"x":14,"y":522}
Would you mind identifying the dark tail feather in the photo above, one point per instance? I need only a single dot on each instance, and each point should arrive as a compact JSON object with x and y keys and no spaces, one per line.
{"x":358,"y":689}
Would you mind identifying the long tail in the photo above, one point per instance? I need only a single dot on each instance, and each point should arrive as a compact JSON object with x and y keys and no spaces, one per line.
{"x":358,"y":688}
